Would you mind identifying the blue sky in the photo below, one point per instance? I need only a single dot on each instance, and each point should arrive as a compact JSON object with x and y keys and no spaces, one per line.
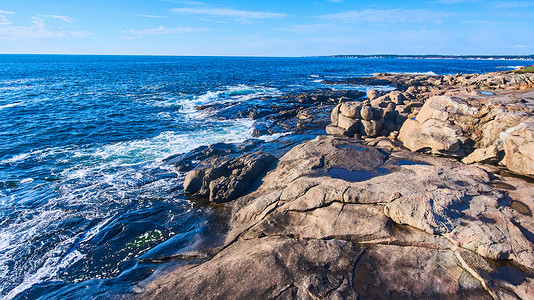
{"x":267,"y":28}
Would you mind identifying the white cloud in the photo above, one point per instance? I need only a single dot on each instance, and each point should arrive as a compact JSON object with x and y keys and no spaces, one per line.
{"x":153,"y":16}
{"x":335,"y":1}
{"x":387,"y":16}
{"x":513,"y":4}
{"x":3,"y":17}
{"x":457,"y":1}
{"x":240,"y":15}
{"x":185,"y":2}
{"x":38,"y":30}
{"x":317,"y":28}
{"x":130,"y":34}
{"x":63,"y":18}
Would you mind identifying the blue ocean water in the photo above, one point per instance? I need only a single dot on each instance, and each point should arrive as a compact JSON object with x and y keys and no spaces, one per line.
{"x":86,"y":204}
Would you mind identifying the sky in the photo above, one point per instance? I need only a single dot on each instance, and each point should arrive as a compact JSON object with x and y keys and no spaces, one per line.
{"x":266,"y":27}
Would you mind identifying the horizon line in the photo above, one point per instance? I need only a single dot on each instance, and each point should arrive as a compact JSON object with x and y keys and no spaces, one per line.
{"x":302,"y":56}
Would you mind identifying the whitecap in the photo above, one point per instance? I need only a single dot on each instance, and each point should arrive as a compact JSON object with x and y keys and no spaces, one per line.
{"x":16,"y":158}
{"x":509,"y":67}
{"x":11,"y":105}
{"x":430,"y":73}
{"x":227,"y":94}
{"x":26,"y":180}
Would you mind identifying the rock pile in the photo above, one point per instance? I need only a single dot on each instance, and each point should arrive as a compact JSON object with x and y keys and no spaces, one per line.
{"x":480,"y":129}
{"x":377,"y":116}
{"x":449,"y":116}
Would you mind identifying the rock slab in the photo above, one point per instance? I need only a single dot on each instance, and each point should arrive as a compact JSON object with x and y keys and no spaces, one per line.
{"x":337,"y":219}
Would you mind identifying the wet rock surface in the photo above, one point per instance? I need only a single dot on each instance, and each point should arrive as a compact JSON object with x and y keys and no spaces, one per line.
{"x":420,"y":227}
{"x":225,"y":179}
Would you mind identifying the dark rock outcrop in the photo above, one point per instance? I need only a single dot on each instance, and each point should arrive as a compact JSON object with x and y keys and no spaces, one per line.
{"x":225,"y":179}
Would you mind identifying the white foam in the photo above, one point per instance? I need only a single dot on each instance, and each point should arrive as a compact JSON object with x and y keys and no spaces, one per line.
{"x":228,"y":94}
{"x":26,"y":180}
{"x":94,"y":230}
{"x":509,"y":67}
{"x":16,"y":158}
{"x":269,"y":138}
{"x":415,"y":73}
{"x":104,"y":176}
{"x":37,"y":154}
{"x":11,"y":105}
{"x":18,"y":235}
{"x":70,"y":258}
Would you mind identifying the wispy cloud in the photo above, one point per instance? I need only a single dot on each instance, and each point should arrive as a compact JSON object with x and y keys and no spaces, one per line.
{"x":457,"y":1}
{"x":513,"y":4}
{"x":38,"y":30}
{"x":233,"y":14}
{"x":185,"y":2}
{"x":3,"y":17}
{"x":335,"y":1}
{"x":387,"y":16}
{"x":63,"y":18}
{"x":317,"y":28}
{"x":153,"y":16}
{"x":131,"y":34}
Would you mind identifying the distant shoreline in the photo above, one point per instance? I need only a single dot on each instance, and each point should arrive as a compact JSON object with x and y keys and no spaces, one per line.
{"x":467,"y":57}
{"x":355,"y":56}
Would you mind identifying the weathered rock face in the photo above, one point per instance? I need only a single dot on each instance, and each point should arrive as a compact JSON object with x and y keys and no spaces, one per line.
{"x":451,"y":126}
{"x":519,"y":148}
{"x":338,"y":219}
{"x":433,"y":130}
{"x":222,"y":180}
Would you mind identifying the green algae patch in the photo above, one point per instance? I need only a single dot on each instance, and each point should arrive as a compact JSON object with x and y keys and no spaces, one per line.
{"x":145,"y":239}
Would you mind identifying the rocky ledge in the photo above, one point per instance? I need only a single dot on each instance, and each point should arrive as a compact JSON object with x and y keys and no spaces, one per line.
{"x":356,"y":217}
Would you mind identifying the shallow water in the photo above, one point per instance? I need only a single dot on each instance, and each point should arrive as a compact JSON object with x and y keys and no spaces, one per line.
{"x":86,"y":202}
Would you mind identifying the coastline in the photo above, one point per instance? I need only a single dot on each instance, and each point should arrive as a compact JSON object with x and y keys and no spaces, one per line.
{"x":304,"y":230}
{"x":360,"y":215}
{"x":461,"y":57}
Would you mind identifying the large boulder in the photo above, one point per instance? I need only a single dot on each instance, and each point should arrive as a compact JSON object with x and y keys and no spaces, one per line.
{"x":519,"y":148}
{"x":223,"y":180}
{"x":432,"y":136}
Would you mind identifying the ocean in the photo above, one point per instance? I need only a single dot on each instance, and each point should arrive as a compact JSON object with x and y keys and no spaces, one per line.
{"x":88,"y":207}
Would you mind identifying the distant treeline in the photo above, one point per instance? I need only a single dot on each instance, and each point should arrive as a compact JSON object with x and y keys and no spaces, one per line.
{"x":485,"y":57}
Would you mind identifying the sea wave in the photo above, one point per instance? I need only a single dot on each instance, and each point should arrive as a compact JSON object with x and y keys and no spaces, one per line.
{"x":509,"y":67}
{"x":228,"y":94}
{"x":11,"y":105}
{"x":430,"y":73}
{"x":98,"y":183}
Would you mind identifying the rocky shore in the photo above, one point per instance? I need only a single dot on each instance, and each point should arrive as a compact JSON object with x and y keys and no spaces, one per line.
{"x":423,"y":192}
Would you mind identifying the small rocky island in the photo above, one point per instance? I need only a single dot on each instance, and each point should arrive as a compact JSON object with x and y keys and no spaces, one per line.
{"x":423,"y":192}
